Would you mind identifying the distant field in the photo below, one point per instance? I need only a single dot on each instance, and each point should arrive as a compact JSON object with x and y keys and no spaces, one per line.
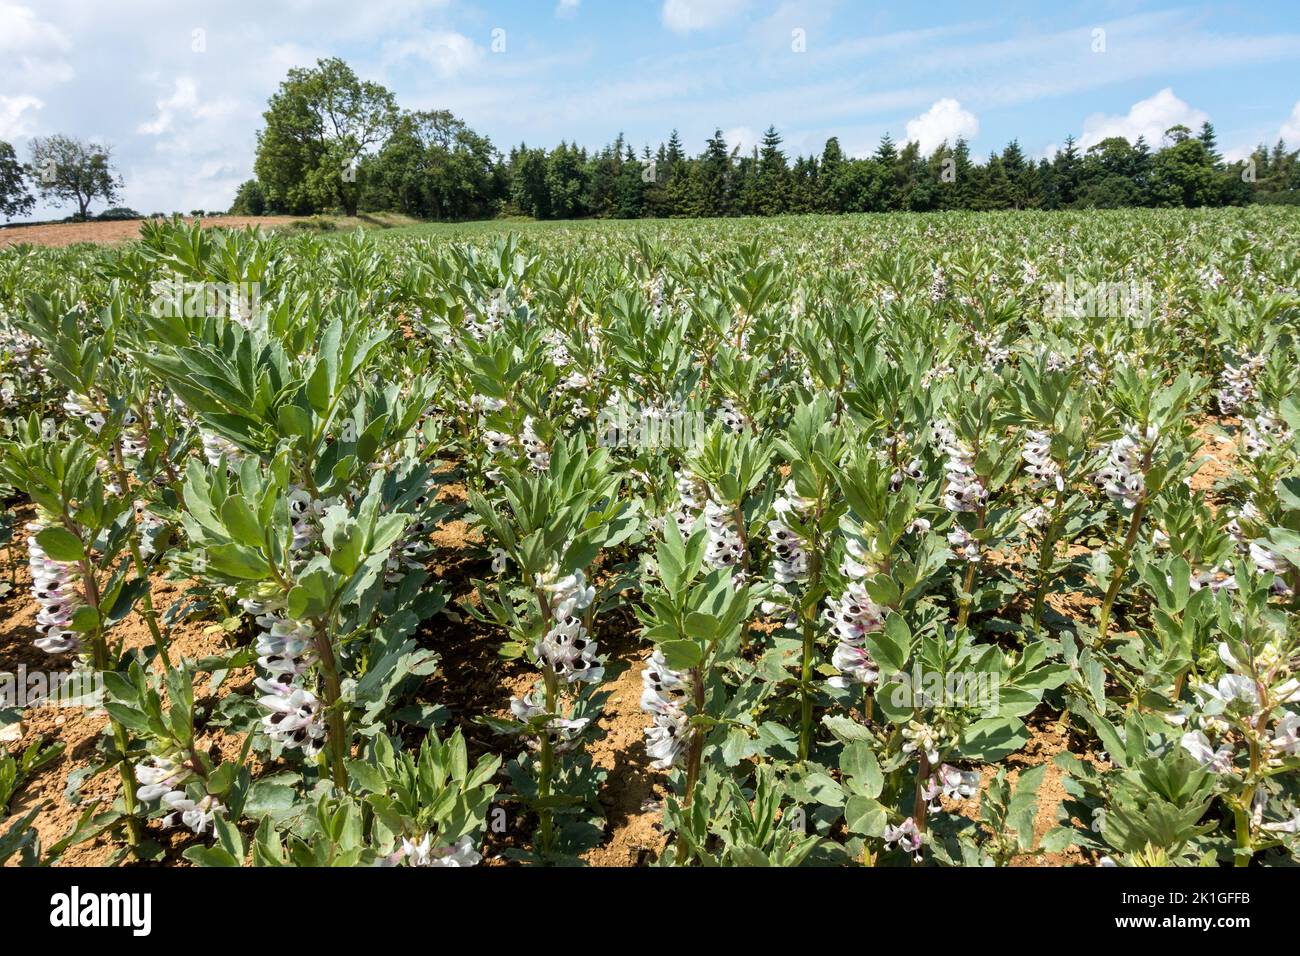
{"x":112,"y":233}
{"x":391,"y":225}
{"x":126,"y":230}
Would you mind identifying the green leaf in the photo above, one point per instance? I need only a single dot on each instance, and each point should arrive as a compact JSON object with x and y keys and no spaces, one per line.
{"x":319,"y":388}
{"x":238,"y":562}
{"x":681,"y":655}
{"x":241,"y":522}
{"x":60,"y":544}
{"x":367,"y":776}
{"x":703,"y":627}
{"x":891,"y":647}
{"x":128,"y":717}
{"x":858,"y":762}
{"x":210,"y":856}
{"x":993,"y":738}
{"x":864,"y":816}
{"x":845,"y":729}
{"x":269,"y":798}
{"x":85,"y":619}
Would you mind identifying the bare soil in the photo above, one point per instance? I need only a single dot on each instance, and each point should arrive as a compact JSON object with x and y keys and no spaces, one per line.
{"x":119,"y":231}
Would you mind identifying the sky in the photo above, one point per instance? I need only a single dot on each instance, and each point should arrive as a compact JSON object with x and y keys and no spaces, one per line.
{"x":177,"y":88}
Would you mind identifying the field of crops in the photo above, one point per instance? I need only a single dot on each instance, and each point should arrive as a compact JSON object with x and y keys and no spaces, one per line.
{"x":952,"y":540}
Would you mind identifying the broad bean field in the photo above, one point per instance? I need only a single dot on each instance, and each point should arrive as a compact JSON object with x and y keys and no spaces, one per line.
{"x":947,"y":540}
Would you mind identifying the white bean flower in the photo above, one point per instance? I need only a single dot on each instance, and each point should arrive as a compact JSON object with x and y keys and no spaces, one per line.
{"x":285,"y":646}
{"x":1286,"y":736}
{"x":422,"y":852}
{"x":562,"y":732}
{"x":906,"y":836}
{"x":724,"y":548}
{"x":921,"y":738}
{"x":158,"y":776}
{"x":964,"y":544}
{"x":538,"y":455}
{"x":1237,"y":383}
{"x":957,"y":784}
{"x":788,"y":545}
{"x":963,"y":491}
{"x":1039,"y":465}
{"x":1198,"y":745}
{"x":294,"y":715}
{"x":664,"y":694}
{"x":198,"y":815}
{"x":1263,"y":433}
{"x":1122,"y":477}
{"x":854,"y":615}
{"x":56,"y":588}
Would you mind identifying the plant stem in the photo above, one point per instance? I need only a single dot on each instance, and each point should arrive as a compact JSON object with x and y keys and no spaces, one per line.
{"x":805,"y":683}
{"x":963,"y":613}
{"x":100,"y":658}
{"x":918,"y":803}
{"x":694,"y":756}
{"x":1046,"y":550}
{"x":129,"y":803}
{"x":336,"y":721}
{"x":696,"y":751}
{"x":1241,"y":821}
{"x":809,"y":640}
{"x":546,"y":823}
{"x":1121,"y":567}
{"x":146,"y":600}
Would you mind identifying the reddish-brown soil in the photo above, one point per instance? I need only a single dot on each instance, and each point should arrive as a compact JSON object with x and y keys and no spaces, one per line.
{"x":111,"y":233}
{"x":1219,"y":449}
{"x":78,"y":729}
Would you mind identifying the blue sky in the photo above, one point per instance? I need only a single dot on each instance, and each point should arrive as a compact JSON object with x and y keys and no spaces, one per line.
{"x":178,"y":87}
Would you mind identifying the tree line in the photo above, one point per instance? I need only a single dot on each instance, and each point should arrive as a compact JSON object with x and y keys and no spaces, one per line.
{"x":335,"y":143}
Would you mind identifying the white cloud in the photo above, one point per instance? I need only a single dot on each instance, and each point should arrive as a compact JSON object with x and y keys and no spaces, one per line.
{"x":1148,"y":118}
{"x":567,"y":8}
{"x":448,"y":52}
{"x":208,"y":184}
{"x":31,"y":49}
{"x":184,"y":101}
{"x":22,"y":31}
{"x":1290,"y":130}
{"x":683,"y":16}
{"x":944,"y":122}
{"x":743,"y":137}
{"x":13,"y":124}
